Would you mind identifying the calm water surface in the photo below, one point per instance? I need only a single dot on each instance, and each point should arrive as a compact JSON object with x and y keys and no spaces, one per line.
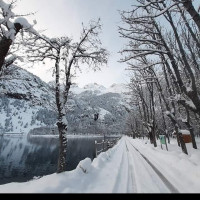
{"x":23,"y":158}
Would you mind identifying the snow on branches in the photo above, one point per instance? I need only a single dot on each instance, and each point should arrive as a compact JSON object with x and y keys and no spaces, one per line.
{"x":162,"y":54}
{"x":10,"y":22}
{"x":10,"y":25}
{"x":68,"y":55}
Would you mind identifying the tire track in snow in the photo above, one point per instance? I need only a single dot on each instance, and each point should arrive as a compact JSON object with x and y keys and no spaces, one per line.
{"x":169,"y":185}
{"x":132,"y":187}
{"x":122,"y":180}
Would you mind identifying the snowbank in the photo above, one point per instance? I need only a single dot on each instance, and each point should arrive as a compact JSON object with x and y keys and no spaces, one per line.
{"x":89,"y":177}
{"x":122,"y":169}
{"x":180,"y":169}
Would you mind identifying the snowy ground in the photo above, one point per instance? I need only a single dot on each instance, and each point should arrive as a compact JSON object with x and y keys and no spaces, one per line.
{"x":132,"y":166}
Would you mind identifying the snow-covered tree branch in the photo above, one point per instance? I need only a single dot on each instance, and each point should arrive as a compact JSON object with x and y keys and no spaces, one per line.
{"x":172,"y":53}
{"x":10,"y":25}
{"x":68,"y":56}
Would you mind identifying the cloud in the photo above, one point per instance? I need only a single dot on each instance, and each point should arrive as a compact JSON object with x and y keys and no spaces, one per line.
{"x":64,"y":17}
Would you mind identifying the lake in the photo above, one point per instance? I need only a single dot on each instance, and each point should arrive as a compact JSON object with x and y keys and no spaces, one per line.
{"x":25,"y":158}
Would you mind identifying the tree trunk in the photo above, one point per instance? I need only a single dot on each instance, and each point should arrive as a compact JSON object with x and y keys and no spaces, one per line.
{"x":163,"y":118}
{"x":183,"y":146}
{"x":194,"y":144}
{"x":193,"y":95}
{"x":193,"y":13}
{"x":188,"y":124}
{"x":151,"y":137}
{"x":62,"y":122}
{"x":62,"y":128}
{"x":152,"y":108}
{"x":180,"y":140}
{"x":154,"y":135}
{"x":189,"y":28}
{"x":5,"y":44}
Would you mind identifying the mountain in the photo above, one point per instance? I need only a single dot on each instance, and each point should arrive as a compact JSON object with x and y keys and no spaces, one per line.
{"x":27,"y":103}
{"x":117,"y":88}
{"x":94,"y":87}
{"x":20,"y":84}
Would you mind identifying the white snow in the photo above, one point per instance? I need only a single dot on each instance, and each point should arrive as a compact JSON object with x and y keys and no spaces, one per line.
{"x":102,"y":113}
{"x":29,"y":106}
{"x":24,"y":22}
{"x":189,"y":89}
{"x":118,"y":88}
{"x":94,"y":87}
{"x":191,"y":104}
{"x":122,"y":169}
{"x":76,"y":90}
{"x":20,"y":119}
{"x":8,"y":20}
{"x":185,"y":132}
{"x":167,"y":113}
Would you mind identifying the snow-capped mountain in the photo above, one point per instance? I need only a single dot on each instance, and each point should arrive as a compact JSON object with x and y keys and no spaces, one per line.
{"x":99,"y":89}
{"x":25,"y":101}
{"x":94,"y":87}
{"x":28,"y":103}
{"x":20,"y":84}
{"x":118,"y":88}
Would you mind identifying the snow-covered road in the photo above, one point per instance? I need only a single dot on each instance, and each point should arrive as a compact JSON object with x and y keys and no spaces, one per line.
{"x":145,"y":176}
{"x":132,"y":166}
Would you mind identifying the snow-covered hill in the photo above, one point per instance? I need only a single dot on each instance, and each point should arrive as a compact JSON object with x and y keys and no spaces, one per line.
{"x":27,"y":103}
{"x":99,"y":89}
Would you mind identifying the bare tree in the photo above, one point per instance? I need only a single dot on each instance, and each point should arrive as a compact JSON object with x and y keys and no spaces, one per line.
{"x":171,"y":4}
{"x":192,"y":11}
{"x":151,"y":46}
{"x":68,"y":56}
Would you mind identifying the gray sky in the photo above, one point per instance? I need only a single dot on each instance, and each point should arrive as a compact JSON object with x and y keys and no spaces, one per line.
{"x":64,"y":17}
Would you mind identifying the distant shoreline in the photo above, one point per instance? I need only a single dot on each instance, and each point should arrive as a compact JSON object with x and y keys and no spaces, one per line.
{"x":57,"y":136}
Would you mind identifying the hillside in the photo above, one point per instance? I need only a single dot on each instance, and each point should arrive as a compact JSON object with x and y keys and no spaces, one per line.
{"x":26,"y":103}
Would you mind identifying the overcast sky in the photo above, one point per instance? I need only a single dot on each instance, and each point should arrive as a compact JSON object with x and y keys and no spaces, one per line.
{"x":64,"y":17}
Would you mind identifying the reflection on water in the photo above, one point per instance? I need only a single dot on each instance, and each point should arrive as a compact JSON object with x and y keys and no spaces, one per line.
{"x":22,"y":159}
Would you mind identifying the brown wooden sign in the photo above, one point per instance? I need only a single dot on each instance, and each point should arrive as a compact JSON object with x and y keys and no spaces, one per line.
{"x":187,"y":138}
